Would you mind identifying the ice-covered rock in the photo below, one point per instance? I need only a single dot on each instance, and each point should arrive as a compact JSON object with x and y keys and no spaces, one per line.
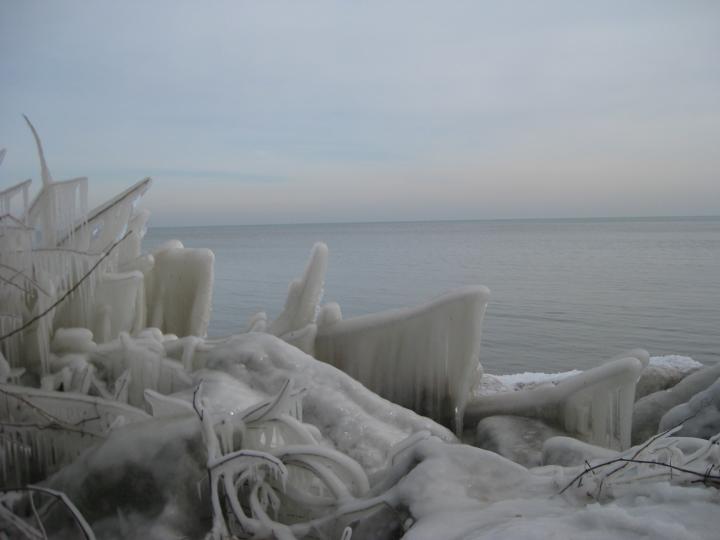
{"x":664,"y":372}
{"x":700,"y":417}
{"x":424,"y":358}
{"x":595,"y":405}
{"x":649,"y":410}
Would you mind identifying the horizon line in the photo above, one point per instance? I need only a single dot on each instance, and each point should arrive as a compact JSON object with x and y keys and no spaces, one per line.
{"x":702,"y":217}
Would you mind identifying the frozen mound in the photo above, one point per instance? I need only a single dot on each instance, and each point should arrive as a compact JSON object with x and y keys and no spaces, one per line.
{"x":464,"y":492}
{"x":424,"y":358}
{"x":649,"y":410}
{"x":699,"y":417}
{"x":595,"y":406}
{"x":664,"y":372}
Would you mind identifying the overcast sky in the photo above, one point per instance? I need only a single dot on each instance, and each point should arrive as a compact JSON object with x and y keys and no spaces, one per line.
{"x":285,"y":112}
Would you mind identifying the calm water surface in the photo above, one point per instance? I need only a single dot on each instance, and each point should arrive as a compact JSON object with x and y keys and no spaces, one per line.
{"x":565,"y":293}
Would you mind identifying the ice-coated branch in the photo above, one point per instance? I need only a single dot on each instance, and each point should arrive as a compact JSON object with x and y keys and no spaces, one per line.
{"x":653,"y":459}
{"x":19,"y":272}
{"x":67,"y":293}
{"x":59,"y":496}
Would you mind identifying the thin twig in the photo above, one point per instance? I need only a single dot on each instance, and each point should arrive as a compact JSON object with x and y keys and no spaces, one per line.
{"x":42,"y":412}
{"x":706,"y":476}
{"x":23,"y":274}
{"x":59,"y":495}
{"x":37,"y":517}
{"x":68,"y":293}
{"x":18,"y":287}
{"x":652,"y":439}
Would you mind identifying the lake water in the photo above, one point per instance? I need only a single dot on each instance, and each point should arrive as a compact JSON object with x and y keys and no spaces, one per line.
{"x":565,"y":293}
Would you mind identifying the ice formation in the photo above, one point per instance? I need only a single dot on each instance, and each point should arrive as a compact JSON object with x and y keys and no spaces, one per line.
{"x":664,"y":372}
{"x":699,"y":417}
{"x":424,"y":358}
{"x":138,"y":426}
{"x":649,"y":410}
{"x":595,"y":405}
{"x":303,"y":298}
{"x":518,"y":438}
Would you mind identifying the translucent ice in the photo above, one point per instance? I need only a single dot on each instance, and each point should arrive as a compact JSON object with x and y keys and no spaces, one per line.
{"x":595,"y":405}
{"x":424,"y":358}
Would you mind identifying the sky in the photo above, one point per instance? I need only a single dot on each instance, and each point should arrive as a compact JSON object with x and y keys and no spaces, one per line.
{"x":340,"y":111}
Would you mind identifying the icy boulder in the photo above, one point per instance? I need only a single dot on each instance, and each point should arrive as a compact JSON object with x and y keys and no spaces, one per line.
{"x":595,"y":405}
{"x":700,"y":417}
{"x":423,"y":358}
{"x":664,"y":372}
{"x":649,"y":410}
